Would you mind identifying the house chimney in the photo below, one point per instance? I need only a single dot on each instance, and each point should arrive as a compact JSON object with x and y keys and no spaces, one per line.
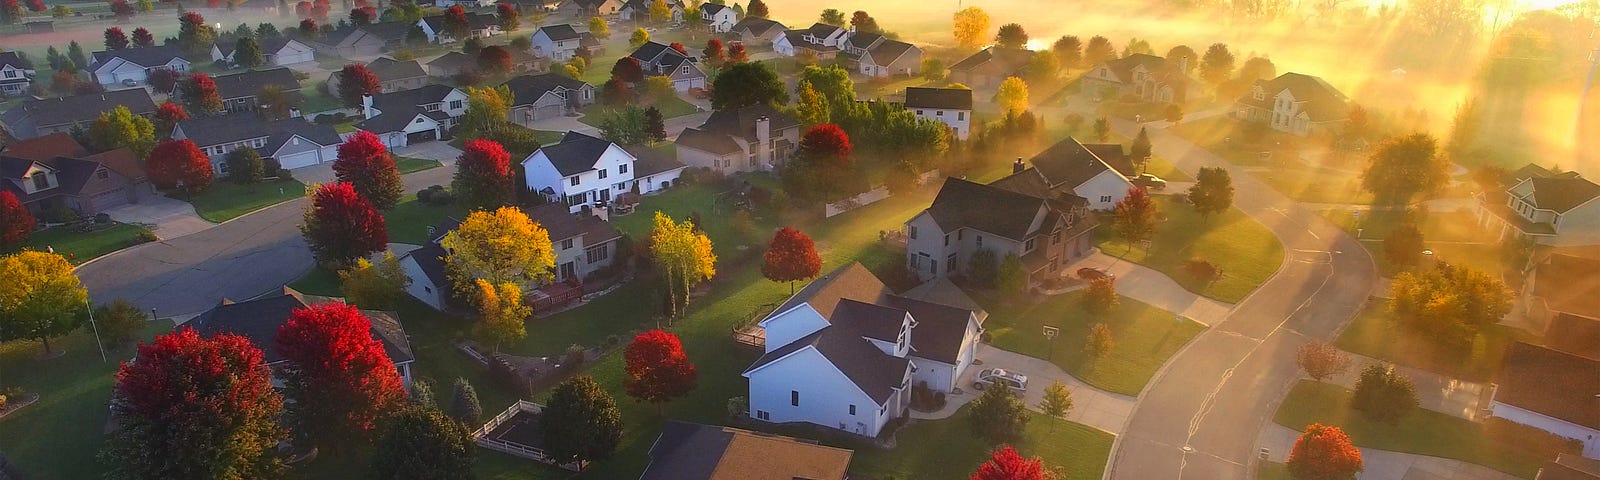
{"x":1018,"y":166}
{"x":366,"y":107}
{"x":763,"y":144}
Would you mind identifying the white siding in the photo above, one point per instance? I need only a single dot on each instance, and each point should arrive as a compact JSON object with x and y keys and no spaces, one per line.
{"x":825,"y":395}
{"x":939,"y":376}
{"x":786,"y":327}
{"x":1104,"y":190}
{"x":420,"y":287}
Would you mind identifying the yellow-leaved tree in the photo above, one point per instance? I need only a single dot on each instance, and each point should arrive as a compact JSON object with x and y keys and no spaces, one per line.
{"x":684,"y":258}
{"x":40,"y":298}
{"x":486,"y":109}
{"x":502,"y":246}
{"x":971,"y":27}
{"x":1013,"y":96}
{"x":501,"y":312}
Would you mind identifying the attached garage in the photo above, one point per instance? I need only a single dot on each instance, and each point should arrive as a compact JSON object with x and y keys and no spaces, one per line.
{"x":109,"y":198}
{"x":543,"y":112}
{"x":297,"y":160}
{"x":422,"y":136}
{"x":688,"y":84}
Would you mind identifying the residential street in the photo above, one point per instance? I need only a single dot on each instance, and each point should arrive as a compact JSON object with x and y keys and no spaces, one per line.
{"x":238,"y":259}
{"x":1201,"y":416}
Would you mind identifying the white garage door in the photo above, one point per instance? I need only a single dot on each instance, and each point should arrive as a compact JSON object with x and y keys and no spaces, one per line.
{"x":686,"y":85}
{"x":297,"y":160}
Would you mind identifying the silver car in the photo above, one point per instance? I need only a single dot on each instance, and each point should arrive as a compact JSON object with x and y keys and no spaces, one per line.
{"x":1017,"y":382}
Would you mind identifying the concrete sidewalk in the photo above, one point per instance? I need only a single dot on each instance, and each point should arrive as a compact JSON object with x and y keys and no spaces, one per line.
{"x":1090,"y":406}
{"x":1434,"y":392}
{"x":1155,"y":288}
{"x":168,"y":217}
{"x":1387,"y":465}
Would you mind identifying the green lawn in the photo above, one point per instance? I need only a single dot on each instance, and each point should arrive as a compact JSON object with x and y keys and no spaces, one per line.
{"x":1145,"y":337}
{"x":947,"y":449}
{"x":1272,"y":471}
{"x":413,"y":165}
{"x":1453,"y":237}
{"x":672,"y":107}
{"x":409,"y":220}
{"x":314,"y":99}
{"x":1244,"y":249}
{"x":58,"y":437}
{"x":227,"y":200}
{"x":1423,"y":432}
{"x":83,"y":247}
{"x":1374,"y":335}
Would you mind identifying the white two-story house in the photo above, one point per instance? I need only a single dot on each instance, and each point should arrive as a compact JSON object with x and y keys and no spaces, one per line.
{"x":558,"y":43}
{"x":479,"y":25}
{"x":1294,"y":103}
{"x":16,"y":75}
{"x":950,"y":106}
{"x":131,"y":67}
{"x":277,"y":51}
{"x":718,"y":18}
{"x":584,"y":171}
{"x":846,"y":351}
{"x":820,"y":39}
{"x":1560,"y":209}
{"x":411,"y":116}
{"x":753,"y":138}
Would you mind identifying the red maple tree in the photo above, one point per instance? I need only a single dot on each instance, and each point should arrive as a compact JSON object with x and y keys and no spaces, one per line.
{"x":1006,"y":464}
{"x":455,"y":22}
{"x":616,"y":92}
{"x":115,"y":39}
{"x":179,"y":161}
{"x":142,"y":38}
{"x":319,"y":10}
{"x":36,"y":5}
{"x":679,"y":47}
{"x":341,"y":382}
{"x":196,"y":407}
{"x":791,"y":256}
{"x":826,"y":142}
{"x":628,"y":69}
{"x":737,"y":54}
{"x":363,"y":15}
{"x":365,"y":163}
{"x":510,"y":19}
{"x":167,"y":116}
{"x":161,"y":79}
{"x":121,"y":8}
{"x":658,"y":369}
{"x":200,"y":93}
{"x":355,"y":80}
{"x":16,"y":224}
{"x":1324,"y":452}
{"x":713,"y":52}
{"x":483,"y":175}
{"x":341,"y":226}
{"x":494,"y":60}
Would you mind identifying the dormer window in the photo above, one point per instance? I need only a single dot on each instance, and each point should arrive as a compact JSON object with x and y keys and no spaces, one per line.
{"x":1260,"y":95}
{"x":1027,"y":246}
{"x":40,"y":181}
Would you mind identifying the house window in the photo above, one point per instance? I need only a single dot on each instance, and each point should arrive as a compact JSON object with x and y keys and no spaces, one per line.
{"x":950,"y":263}
{"x":566,"y":244}
{"x":573,"y":181}
{"x":919,"y":113}
{"x":911,"y":232}
{"x":763,"y":415}
{"x":1105,"y":198}
{"x":852,"y":409}
{"x":40,"y":181}
{"x":794,"y":398}
{"x":102,"y":174}
{"x":946,"y":239}
{"x":622,"y":168}
{"x":455,"y":104}
{"x":1055,"y":238}
{"x":432,"y":107}
{"x":603,"y":173}
{"x":939,"y":113}
{"x":597,"y":254}
{"x":1028,"y":245}
{"x":11,"y":74}
{"x":961,"y":115}
{"x":980,"y":241}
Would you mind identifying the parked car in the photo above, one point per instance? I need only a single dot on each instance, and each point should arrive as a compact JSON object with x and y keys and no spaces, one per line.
{"x":1150,"y":181}
{"x":1091,"y":273}
{"x":128,"y":82}
{"x":1017,"y":382}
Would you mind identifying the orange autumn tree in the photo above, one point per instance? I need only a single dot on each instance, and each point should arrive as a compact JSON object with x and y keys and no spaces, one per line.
{"x":1324,"y":452}
{"x":658,"y":369}
{"x":791,"y":256}
{"x":1006,"y":464}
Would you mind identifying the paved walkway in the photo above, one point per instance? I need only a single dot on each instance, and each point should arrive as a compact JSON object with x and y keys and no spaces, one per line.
{"x":1155,"y":288}
{"x":1090,"y":406}
{"x":1434,"y":391}
{"x":1387,"y":465}
{"x":168,"y":217}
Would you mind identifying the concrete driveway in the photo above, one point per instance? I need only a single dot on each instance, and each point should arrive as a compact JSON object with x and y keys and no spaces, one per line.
{"x":1090,"y":406}
{"x":168,"y":217}
{"x":440,"y":151}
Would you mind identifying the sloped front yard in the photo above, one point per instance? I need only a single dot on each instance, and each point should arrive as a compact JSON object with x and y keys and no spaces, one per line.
{"x":1246,"y":252}
{"x":1145,"y":336}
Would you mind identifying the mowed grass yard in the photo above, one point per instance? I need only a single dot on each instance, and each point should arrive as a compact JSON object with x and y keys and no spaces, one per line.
{"x":413,"y":165}
{"x":670,"y":108}
{"x":947,"y":449}
{"x":1244,"y":249}
{"x":1145,"y":336}
{"x":1373,"y":334}
{"x":1454,"y":237}
{"x":80,"y":247}
{"x":1512,"y":450}
{"x":226,"y":200}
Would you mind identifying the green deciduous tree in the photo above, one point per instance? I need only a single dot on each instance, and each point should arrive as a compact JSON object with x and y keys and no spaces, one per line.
{"x":1212,"y":192}
{"x":582,"y":422}
{"x":1384,"y":395}
{"x":1403,"y":246}
{"x":684,"y":257}
{"x":1013,"y":95}
{"x":421,"y":443}
{"x":464,"y":406}
{"x":745,"y":84}
{"x":1216,"y":66}
{"x":1012,"y":279}
{"x":245,"y":166}
{"x":998,"y":416}
{"x":374,"y":286}
{"x":1403,"y":167}
{"x":1449,"y":303}
{"x":247,"y":53}
{"x":120,"y":128}
{"x":1101,"y":296}
{"x":832,"y":16}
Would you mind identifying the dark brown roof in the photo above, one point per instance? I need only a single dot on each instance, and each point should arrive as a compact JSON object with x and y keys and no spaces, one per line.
{"x":1004,"y":61}
{"x":939,"y":98}
{"x":741,"y":122}
{"x":80,"y":108}
{"x":1069,"y":163}
{"x":1562,"y":193}
{"x":870,"y":320}
{"x":575,"y":153}
{"x":964,"y":204}
{"x":121,"y":160}
{"x":40,"y":149}
{"x":1552,"y":383}
{"x":887,"y":51}
{"x":692,"y":451}
{"x":1567,"y":466}
{"x":1574,"y":334}
{"x":940,"y":328}
{"x":649,"y":161}
{"x":246,"y":84}
{"x":707,"y":141}
{"x":850,"y":281}
{"x":1569,"y":283}
{"x":563,"y":225}
{"x":388,"y":69}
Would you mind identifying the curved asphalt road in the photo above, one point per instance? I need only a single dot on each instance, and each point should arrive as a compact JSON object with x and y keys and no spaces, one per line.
{"x":239,"y":259}
{"x":1201,"y":416}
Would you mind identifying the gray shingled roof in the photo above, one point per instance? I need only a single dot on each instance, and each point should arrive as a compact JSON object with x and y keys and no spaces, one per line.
{"x":741,"y":122}
{"x":245,"y":84}
{"x":691,"y":451}
{"x":259,"y":320}
{"x":15,"y":61}
{"x":964,"y":204}
{"x":526,"y":89}
{"x":887,"y":51}
{"x":1562,"y":194}
{"x":758,"y":26}
{"x":269,"y":45}
{"x":576,"y":153}
{"x":81,"y":108}
{"x":244,"y":126}
{"x":1068,"y":163}
{"x":708,"y":141}
{"x":940,"y":328}
{"x":1006,"y":59}
{"x":876,"y":373}
{"x":144,"y":56}
{"x":388,"y":69}
{"x":939,"y":98}
{"x":559,"y":32}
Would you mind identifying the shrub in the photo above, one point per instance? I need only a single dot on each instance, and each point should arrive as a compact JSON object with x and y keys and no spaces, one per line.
{"x":1202,"y":270}
{"x":271,"y":168}
{"x":60,"y":215}
{"x":574,"y":358}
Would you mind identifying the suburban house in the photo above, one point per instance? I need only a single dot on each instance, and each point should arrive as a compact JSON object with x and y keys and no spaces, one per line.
{"x":583,"y":244}
{"x":1017,"y":215}
{"x":53,"y":172}
{"x":279,"y":51}
{"x":479,"y":25}
{"x":354,"y":41}
{"x":43,"y":116}
{"x":16,"y":75}
{"x":454,"y":63}
{"x":1294,"y":103}
{"x":878,"y":56}
{"x":1575,"y":334}
{"x":990,"y":66}
{"x":820,"y":38}
{"x":639,"y":10}
{"x":546,"y":6}
{"x":718,"y":18}
{"x":1550,"y":390}
{"x":1556,"y":209}
{"x":1561,"y":283}
{"x":584,"y":171}
{"x":463,"y":3}
{"x":258,"y":320}
{"x":693,"y":451}
{"x":1097,"y":172}
{"x":662,"y":60}
{"x":845,"y":351}
{"x":411,"y":116}
{"x":1147,"y":78}
{"x":757,"y":31}
{"x":239,"y":90}
{"x":544,"y":96}
{"x":293,"y":142}
{"x":757,"y":137}
{"x":558,"y":43}
{"x":131,"y":67}
{"x":1569,"y":467}
{"x":950,"y":106}
{"x":393,"y":75}
{"x":589,"y":8}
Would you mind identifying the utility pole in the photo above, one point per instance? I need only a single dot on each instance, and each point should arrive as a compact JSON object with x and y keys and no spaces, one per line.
{"x":96,"y":328}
